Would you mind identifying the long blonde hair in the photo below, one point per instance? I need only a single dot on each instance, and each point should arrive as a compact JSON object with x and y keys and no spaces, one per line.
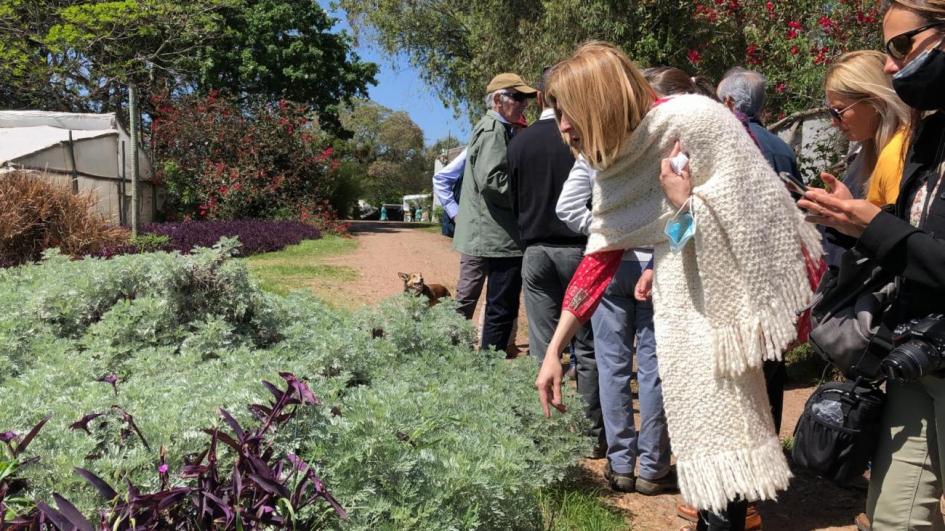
{"x":931,"y":10}
{"x":859,"y":76}
{"x":604,"y":96}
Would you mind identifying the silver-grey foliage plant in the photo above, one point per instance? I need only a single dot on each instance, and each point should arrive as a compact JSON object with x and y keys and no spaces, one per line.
{"x":415,"y":429}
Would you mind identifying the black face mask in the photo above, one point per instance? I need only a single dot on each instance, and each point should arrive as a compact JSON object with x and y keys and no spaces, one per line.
{"x":921,"y":83}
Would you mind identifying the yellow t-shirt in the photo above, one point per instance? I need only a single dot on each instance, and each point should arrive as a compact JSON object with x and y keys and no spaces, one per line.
{"x":884,"y":181}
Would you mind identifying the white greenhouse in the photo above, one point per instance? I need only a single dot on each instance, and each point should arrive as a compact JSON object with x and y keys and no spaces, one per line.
{"x":98,"y":157}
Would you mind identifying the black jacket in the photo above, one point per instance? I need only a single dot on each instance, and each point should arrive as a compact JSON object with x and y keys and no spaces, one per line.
{"x":916,"y":254}
{"x":539,"y":163}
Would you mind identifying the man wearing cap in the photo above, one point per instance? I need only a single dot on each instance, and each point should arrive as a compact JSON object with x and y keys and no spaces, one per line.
{"x":486,"y":225}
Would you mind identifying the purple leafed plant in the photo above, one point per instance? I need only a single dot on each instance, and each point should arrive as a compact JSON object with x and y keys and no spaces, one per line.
{"x":247,"y":496}
{"x":255,"y":235}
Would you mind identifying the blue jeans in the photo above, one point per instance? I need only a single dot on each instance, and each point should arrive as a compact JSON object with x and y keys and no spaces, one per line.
{"x":618,"y":318}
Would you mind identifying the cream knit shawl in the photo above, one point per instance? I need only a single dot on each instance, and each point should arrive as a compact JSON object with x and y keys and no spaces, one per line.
{"x":722,"y":305}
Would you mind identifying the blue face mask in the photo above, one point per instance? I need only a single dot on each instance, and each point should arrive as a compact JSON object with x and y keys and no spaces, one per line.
{"x":681,"y":228}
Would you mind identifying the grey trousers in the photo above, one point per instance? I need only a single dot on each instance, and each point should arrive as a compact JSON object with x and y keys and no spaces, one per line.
{"x":472,"y":276}
{"x":546,"y":272}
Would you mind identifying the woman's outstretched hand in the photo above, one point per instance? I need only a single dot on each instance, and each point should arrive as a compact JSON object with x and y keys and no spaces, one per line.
{"x":548,"y":383}
{"x":676,"y":186}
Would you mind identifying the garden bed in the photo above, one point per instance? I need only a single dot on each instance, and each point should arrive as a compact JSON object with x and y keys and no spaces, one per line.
{"x":413,"y":430}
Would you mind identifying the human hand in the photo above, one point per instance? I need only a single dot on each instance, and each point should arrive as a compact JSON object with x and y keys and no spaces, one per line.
{"x":836,"y":208}
{"x":548,"y":382}
{"x":644,"y":288}
{"x":676,"y":186}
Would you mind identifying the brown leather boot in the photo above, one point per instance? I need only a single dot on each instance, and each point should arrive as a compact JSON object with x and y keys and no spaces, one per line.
{"x":863,"y":522}
{"x":687,"y":512}
{"x":752,"y":518}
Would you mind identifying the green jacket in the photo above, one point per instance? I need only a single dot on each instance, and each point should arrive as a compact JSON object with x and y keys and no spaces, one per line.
{"x":486,"y":225}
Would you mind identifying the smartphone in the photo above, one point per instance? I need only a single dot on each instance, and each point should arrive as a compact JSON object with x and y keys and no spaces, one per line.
{"x":794,"y":185}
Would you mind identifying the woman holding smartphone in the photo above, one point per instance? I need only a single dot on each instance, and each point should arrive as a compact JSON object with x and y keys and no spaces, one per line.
{"x":909,"y":463}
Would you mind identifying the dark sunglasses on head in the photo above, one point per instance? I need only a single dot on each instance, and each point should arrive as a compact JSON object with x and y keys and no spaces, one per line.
{"x":517,"y":96}
{"x":899,"y":46}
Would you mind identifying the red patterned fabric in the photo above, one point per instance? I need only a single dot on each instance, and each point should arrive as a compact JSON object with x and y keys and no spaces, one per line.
{"x":589,"y":282}
{"x":815,"y":271}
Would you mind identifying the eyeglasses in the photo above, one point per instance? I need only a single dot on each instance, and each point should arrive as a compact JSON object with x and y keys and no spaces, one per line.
{"x":519,"y":97}
{"x":838,"y":113}
{"x":899,"y":46}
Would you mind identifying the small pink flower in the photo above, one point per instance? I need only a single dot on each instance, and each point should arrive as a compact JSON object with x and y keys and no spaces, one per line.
{"x":163,"y":468}
{"x":795,"y":50}
{"x":769,"y":6}
{"x":780,"y":88}
{"x":794,"y":25}
{"x":694,"y":56}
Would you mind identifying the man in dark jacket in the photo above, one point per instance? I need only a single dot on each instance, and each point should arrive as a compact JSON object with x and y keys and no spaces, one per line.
{"x":538,"y":165}
{"x":744,"y":91}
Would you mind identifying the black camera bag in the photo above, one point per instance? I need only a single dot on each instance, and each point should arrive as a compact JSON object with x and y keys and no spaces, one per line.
{"x":847,"y":316}
{"x":838,"y":430}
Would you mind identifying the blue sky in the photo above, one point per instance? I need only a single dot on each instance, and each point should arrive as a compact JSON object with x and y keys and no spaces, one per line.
{"x":400,"y":88}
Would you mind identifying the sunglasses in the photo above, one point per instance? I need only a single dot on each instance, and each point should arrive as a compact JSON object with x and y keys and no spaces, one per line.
{"x":899,"y":46}
{"x":838,"y":113}
{"x":517,"y":96}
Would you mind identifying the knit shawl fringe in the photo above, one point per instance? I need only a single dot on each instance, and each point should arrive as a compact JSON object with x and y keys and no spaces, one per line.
{"x":711,"y":481}
{"x":747,"y":344}
{"x":725,"y":303}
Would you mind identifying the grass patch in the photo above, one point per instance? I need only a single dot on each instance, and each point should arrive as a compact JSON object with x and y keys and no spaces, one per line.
{"x":804,"y":366}
{"x":435,"y":228}
{"x":574,"y":505}
{"x":296,"y":267}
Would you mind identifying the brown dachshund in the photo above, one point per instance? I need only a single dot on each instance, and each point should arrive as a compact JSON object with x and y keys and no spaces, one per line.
{"x":413,"y":283}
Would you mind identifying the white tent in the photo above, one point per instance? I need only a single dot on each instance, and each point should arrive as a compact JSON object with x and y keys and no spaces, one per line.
{"x":99,"y":155}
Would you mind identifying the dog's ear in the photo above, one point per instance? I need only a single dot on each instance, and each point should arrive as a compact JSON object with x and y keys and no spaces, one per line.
{"x":403,"y":276}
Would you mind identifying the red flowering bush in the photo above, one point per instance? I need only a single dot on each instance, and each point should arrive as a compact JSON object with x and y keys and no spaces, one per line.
{"x":221,"y":160}
{"x":790,"y":41}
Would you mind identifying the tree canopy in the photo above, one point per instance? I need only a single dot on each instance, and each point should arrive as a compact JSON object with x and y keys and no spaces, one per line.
{"x":459,"y":46}
{"x":387,"y":150}
{"x":80,"y":55}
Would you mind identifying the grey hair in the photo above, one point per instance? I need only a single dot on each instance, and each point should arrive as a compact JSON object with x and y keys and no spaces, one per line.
{"x":746,"y":88}
{"x":490,"y":99}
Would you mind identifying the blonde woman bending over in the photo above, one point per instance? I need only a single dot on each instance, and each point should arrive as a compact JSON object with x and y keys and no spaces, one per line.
{"x":723,"y":300}
{"x":866,"y":109}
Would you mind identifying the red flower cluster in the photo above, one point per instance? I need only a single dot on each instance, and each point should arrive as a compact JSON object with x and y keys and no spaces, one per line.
{"x":753,"y":54}
{"x":220,"y":162}
{"x":694,"y":56}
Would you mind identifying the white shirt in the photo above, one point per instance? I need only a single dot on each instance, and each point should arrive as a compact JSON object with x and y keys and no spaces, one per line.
{"x":445,"y":179}
{"x":572,"y":206}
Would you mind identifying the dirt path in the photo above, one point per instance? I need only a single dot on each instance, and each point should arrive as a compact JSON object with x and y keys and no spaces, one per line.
{"x":382,"y":252}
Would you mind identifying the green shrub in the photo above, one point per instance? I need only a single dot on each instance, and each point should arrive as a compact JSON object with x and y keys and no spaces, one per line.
{"x":149,"y":243}
{"x":415,"y":430}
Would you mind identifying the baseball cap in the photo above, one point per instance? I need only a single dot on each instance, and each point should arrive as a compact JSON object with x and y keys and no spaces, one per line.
{"x":508,"y":80}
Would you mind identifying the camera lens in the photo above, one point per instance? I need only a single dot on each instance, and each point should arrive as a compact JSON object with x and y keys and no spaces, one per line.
{"x":910,"y":361}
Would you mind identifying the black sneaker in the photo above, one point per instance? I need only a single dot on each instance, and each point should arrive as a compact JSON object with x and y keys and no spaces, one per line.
{"x":620,"y":482}
{"x":652,"y":487}
{"x":599,"y":451}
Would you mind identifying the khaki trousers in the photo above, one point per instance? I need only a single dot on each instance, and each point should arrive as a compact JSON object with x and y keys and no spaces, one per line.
{"x":906,"y":476}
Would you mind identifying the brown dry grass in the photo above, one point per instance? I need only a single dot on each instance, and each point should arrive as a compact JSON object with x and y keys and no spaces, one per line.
{"x":36,"y":215}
